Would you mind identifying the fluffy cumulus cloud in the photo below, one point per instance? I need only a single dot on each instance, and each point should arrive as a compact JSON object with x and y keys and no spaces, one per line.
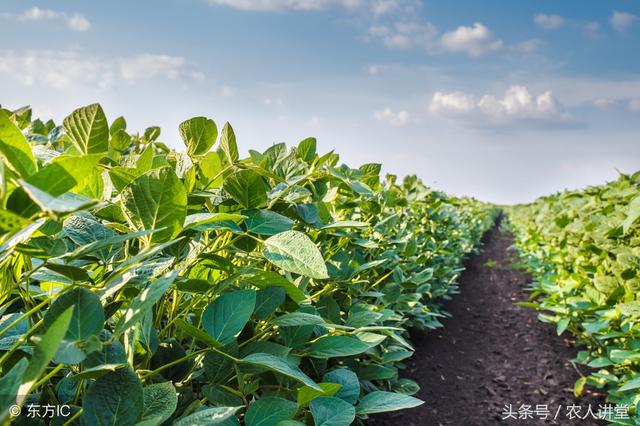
{"x":474,"y":40}
{"x":621,"y":21}
{"x":73,"y":21}
{"x":395,"y":118}
{"x":517,"y":106}
{"x":67,"y":69}
{"x":548,"y":22}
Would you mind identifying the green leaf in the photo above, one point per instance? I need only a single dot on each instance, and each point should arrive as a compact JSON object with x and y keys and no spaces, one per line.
{"x":226,"y":316}
{"x":199,"y":134}
{"x":380,"y":402}
{"x":294,"y":252}
{"x":336,"y":346}
{"x":247,"y":188}
{"x":346,"y":224}
{"x":297,"y":319}
{"x":10,"y":383}
{"x":120,"y":140}
{"x":64,"y":203}
{"x":208,"y":417}
{"x":630,"y":384}
{"x":329,"y":411}
{"x":307,"y":149}
{"x":228,"y":144}
{"x":11,"y":222}
{"x":268,"y":279}
{"x":266,"y":222}
{"x":118,"y":124}
{"x":307,"y":394}
{"x":159,"y":401}
{"x":46,"y":347}
{"x":88,"y":314}
{"x":270,"y":411}
{"x":156,"y":200}
{"x":281,"y":366}
{"x":195,"y":332}
{"x":15,"y":148}
{"x":117,"y":398}
{"x":63,"y":173}
{"x":144,"y":301}
{"x":88,"y":129}
{"x":267,"y":300}
{"x":350,"y":390}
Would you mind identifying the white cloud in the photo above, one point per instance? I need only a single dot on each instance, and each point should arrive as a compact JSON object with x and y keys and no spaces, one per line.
{"x":228,"y":91}
{"x":634,"y":105}
{"x":374,"y":7}
{"x":620,"y":21}
{"x":548,"y":22}
{"x":276,"y":101}
{"x":406,"y":34}
{"x":387,"y":115}
{"x":75,"y":21}
{"x":68,"y":69}
{"x":475,"y":40}
{"x":604,"y":104}
{"x":518,"y":105}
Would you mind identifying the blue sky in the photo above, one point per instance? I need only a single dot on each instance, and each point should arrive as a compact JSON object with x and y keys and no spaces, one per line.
{"x":502,"y":100}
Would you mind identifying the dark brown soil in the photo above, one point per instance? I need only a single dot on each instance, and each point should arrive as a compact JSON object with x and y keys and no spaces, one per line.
{"x":492,"y":353}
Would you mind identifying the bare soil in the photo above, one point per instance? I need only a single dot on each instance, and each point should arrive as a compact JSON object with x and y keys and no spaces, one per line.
{"x":492,"y":353}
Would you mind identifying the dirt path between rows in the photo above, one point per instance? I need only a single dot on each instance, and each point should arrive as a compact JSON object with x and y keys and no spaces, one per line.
{"x":492,"y":353}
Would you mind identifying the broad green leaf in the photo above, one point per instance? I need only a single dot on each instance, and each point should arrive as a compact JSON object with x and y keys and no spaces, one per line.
{"x":19,"y":237}
{"x":281,"y":366}
{"x":350,"y":385}
{"x":118,"y":124}
{"x":247,"y":188}
{"x":330,"y":411}
{"x":307,"y":149}
{"x":195,"y":332}
{"x":307,"y":394}
{"x":630,"y":384}
{"x":297,"y":319}
{"x":46,"y":347}
{"x":270,"y":411}
{"x":268,"y":279}
{"x":267,"y":301}
{"x":208,"y":417}
{"x":159,"y":401}
{"x":380,"y":402}
{"x":11,"y":222}
{"x":336,"y":346}
{"x":120,"y":140}
{"x":63,"y":173}
{"x":15,"y":148}
{"x":88,"y":314}
{"x":198,"y":134}
{"x":226,"y":316}
{"x":9,"y":385}
{"x":156,"y":200}
{"x":266,"y":222}
{"x":144,"y":301}
{"x":64,"y":203}
{"x":88,"y":129}
{"x":117,"y":398}
{"x":228,"y":144}
{"x":294,"y":252}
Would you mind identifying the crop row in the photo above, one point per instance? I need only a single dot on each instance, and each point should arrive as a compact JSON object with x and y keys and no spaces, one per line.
{"x":139,"y":284}
{"x":583,"y":248}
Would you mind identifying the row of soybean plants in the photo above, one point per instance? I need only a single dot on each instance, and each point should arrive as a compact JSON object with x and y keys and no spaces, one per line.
{"x":142,"y":285}
{"x":583,"y":248}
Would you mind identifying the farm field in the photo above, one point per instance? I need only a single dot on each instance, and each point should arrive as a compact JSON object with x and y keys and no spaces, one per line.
{"x":142,"y":285}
